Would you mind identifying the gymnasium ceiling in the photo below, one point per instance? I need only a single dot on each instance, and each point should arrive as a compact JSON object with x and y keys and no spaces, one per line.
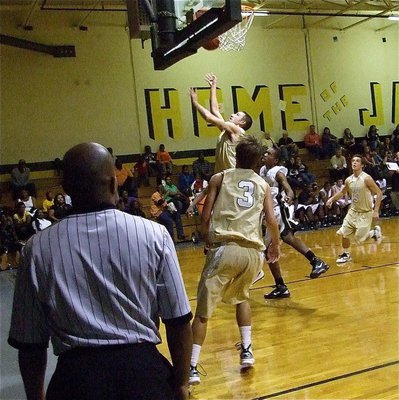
{"x":295,"y":14}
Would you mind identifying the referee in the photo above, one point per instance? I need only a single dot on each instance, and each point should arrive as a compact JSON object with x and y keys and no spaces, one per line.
{"x":96,"y":284}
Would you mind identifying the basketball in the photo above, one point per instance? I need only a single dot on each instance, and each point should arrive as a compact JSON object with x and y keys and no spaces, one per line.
{"x":212,"y":44}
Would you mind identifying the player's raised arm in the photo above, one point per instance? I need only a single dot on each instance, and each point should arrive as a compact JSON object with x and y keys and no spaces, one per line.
{"x":230,"y":127}
{"x":212,"y":81}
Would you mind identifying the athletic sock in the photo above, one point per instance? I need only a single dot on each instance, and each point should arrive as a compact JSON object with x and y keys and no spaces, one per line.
{"x":310,"y":255}
{"x":279,"y":281}
{"x":195,"y":353}
{"x":245,"y":332}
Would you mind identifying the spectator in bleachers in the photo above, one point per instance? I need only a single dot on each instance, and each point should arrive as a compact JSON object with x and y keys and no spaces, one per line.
{"x":202,"y":167}
{"x":142,"y":172}
{"x":159,"y":211}
{"x":339,"y":167}
{"x":59,"y":209}
{"x":293,"y":177}
{"x":394,"y":175}
{"x":39,"y":222}
{"x":372,"y":137}
{"x":9,"y":245}
{"x":125,"y":179}
{"x":368,"y":161}
{"x":330,"y":214}
{"x":197,"y":187}
{"x":20,"y":179}
{"x":164,"y":160}
{"x":136,"y":209}
{"x":22,"y":223}
{"x":267,"y":141}
{"x":29,"y":201}
{"x":287,"y":147}
{"x":48,"y":201}
{"x":386,"y":146}
{"x":313,"y":143}
{"x":395,"y":139}
{"x":186,"y":179}
{"x":343,"y":203}
{"x":348,"y":141}
{"x":304,"y":174}
{"x":125,"y":201}
{"x":329,"y":142}
{"x":174,"y":195}
{"x":151,"y":160}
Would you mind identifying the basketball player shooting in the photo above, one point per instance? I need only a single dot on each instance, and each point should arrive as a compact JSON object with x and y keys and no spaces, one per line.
{"x":232,"y":131}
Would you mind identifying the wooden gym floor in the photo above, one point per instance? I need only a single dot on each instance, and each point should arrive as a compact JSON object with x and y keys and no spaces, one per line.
{"x":335,"y":338}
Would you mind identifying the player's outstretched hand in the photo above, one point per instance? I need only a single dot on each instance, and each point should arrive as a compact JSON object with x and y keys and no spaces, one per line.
{"x":193,"y":95}
{"x":211,"y":79}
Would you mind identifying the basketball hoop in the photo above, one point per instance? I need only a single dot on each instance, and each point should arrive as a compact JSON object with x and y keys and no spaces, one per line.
{"x":234,"y":38}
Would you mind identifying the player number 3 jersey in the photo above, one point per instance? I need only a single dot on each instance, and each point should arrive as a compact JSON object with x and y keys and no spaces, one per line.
{"x":238,"y":209}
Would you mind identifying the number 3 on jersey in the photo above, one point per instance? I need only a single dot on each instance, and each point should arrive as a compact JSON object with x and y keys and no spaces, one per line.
{"x":247,"y":200}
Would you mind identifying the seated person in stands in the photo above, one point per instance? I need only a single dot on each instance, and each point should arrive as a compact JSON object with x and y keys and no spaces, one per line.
{"x":125,"y":201}
{"x":267,"y":141}
{"x":313,"y":143}
{"x":150,"y":160}
{"x":330,"y":214}
{"x":29,"y":201}
{"x":164,"y":160}
{"x":348,"y":141}
{"x":20,"y":180}
{"x":369,"y":163}
{"x":125,"y":179}
{"x":142,"y":172}
{"x":136,"y":209}
{"x":293,"y":177}
{"x":60,"y":209}
{"x":287,"y":147}
{"x":159,"y":211}
{"x":202,"y":167}
{"x":39,"y":222}
{"x":197,"y":187}
{"x":343,"y":203}
{"x":22,"y":223}
{"x":309,"y":211}
{"x":186,"y":179}
{"x":48,"y":202}
{"x":329,"y":142}
{"x":305,"y":176}
{"x":386,"y":146}
{"x":339,"y":167}
{"x":372,"y":137}
{"x":9,"y":246}
{"x":174,"y":195}
{"x":395,"y":139}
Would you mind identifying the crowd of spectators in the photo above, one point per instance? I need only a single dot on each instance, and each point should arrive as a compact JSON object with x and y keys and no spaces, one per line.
{"x":173,"y":194}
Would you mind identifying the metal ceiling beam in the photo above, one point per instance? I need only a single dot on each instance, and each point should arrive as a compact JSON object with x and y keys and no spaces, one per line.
{"x":379,"y":15}
{"x":339,"y":13}
{"x":55,"y":51}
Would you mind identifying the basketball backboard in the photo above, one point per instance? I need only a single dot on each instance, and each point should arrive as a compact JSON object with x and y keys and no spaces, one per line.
{"x":180,"y":27}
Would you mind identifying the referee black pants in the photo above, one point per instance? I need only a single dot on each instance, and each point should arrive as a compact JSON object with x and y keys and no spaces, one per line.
{"x":125,"y":372}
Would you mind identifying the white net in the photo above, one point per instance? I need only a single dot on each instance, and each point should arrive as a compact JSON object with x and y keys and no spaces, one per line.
{"x":234,"y":38}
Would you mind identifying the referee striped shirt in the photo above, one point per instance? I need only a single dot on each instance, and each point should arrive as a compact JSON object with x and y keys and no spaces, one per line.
{"x":99,"y":278}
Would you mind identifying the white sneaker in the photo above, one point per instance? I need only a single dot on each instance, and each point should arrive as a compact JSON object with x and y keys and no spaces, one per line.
{"x":194,"y":377}
{"x":377,"y":232}
{"x":260,"y":276}
{"x":343,"y":258}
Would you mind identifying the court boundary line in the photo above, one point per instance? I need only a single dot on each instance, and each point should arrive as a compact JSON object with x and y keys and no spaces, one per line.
{"x":323,"y":381}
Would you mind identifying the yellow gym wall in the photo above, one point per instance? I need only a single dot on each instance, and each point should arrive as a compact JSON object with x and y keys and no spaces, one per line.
{"x":110,"y":92}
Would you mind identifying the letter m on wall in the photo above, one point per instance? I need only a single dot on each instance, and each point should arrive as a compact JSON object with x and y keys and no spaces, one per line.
{"x":163,"y":118}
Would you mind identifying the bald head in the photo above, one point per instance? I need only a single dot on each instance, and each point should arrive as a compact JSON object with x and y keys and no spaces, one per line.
{"x":89,"y":176}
